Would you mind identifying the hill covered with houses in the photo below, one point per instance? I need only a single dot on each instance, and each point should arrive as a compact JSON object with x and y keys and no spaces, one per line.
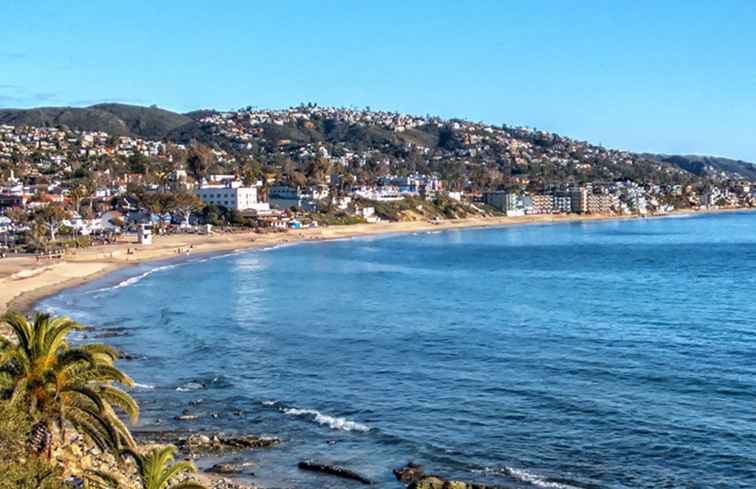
{"x":330,"y":165}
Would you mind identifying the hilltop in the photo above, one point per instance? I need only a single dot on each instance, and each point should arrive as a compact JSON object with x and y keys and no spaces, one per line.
{"x":426,"y":140}
{"x":115,"y":119}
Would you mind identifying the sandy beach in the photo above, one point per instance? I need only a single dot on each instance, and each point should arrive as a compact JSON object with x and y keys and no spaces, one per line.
{"x":25,"y":280}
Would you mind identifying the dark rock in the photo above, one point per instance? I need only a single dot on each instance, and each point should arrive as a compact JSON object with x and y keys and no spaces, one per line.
{"x":250,"y":442}
{"x":122,"y":355}
{"x":110,"y":332}
{"x":228,"y":484}
{"x":230,"y":468}
{"x":219,"y":443}
{"x":333,"y":470}
{"x":428,"y":482}
{"x":205,"y":442}
{"x":410,"y":472}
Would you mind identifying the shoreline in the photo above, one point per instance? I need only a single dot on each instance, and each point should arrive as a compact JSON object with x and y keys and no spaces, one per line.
{"x":91,"y":264}
{"x":25,"y":283}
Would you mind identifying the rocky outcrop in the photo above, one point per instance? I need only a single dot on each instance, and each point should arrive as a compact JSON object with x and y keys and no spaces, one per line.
{"x":198,"y":443}
{"x":409,"y":472}
{"x":218,"y":442}
{"x":231,"y":468}
{"x":77,"y":455}
{"x":227,"y":484}
{"x":333,"y":470}
{"x":415,"y":478}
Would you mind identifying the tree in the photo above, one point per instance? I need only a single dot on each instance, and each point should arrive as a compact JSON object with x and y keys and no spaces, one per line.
{"x":50,"y":218}
{"x":156,"y":469}
{"x":318,"y":171}
{"x":61,"y":384}
{"x":138,"y":163}
{"x":79,"y":193}
{"x":198,"y":161}
{"x":18,"y":215}
{"x":185,"y":204}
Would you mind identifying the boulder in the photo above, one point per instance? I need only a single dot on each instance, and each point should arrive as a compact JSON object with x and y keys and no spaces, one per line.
{"x":409,"y":472}
{"x":428,"y":482}
{"x":413,"y":475}
{"x":217,"y":442}
{"x":230,"y":468}
{"x":333,"y":470}
{"x":456,"y":485}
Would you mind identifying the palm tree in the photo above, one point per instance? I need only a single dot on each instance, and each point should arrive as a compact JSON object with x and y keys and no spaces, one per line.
{"x":60,"y":383}
{"x":156,"y":469}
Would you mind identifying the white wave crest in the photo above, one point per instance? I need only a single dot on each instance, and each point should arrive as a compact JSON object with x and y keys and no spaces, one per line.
{"x":269,"y":403}
{"x":137,"y":385}
{"x":335,"y":423}
{"x":525,"y":476}
{"x":135,"y":279}
{"x":190,"y":386}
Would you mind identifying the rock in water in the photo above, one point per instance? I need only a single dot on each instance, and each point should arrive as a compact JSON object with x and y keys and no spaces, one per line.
{"x":410,"y":472}
{"x":333,"y":470}
{"x":230,"y":468}
{"x":429,"y":482}
{"x":413,"y":475}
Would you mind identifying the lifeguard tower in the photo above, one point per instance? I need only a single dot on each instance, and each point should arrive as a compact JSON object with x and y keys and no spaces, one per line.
{"x":145,"y":234}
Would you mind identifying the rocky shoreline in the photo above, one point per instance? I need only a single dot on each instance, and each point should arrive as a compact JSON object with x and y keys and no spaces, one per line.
{"x":197,"y":445}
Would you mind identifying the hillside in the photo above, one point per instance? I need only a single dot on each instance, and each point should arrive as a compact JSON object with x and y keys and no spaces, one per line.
{"x":703,"y":165}
{"x":116,"y":119}
{"x":264,"y":133}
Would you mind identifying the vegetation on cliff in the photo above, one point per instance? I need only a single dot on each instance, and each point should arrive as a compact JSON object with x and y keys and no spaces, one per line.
{"x":59,"y":415}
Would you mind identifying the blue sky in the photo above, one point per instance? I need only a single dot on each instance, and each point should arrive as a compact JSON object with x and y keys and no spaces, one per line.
{"x":671,"y":76}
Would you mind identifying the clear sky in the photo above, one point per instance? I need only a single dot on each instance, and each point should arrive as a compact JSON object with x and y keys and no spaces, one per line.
{"x":676,"y":76}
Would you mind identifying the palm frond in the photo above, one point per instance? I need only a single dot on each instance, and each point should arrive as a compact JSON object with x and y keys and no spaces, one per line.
{"x":98,"y":479}
{"x":122,"y":400}
{"x":169,"y":472}
{"x":21,"y":329}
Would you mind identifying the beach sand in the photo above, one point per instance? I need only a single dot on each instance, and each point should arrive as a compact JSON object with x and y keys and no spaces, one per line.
{"x":24,"y":280}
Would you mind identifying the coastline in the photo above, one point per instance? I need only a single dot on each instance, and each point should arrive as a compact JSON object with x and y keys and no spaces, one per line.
{"x":93,"y":263}
{"x":24,"y":282}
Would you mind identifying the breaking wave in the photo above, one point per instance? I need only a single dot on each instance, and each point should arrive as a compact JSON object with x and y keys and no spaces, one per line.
{"x":528,"y":477}
{"x":135,"y":279}
{"x":335,"y":423}
{"x":191,"y":386}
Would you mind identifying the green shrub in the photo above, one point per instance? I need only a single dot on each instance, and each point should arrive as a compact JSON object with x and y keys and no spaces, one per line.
{"x":19,"y":469}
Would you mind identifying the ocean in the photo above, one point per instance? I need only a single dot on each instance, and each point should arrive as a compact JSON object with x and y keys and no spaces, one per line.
{"x":613,"y":354}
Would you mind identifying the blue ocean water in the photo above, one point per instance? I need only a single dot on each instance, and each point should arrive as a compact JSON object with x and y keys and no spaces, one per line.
{"x":617,"y":354}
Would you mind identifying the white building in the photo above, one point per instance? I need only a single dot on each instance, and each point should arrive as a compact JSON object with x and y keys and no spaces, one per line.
{"x":232,"y":196}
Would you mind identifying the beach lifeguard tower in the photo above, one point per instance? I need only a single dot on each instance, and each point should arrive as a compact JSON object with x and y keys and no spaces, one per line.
{"x":145,"y":234}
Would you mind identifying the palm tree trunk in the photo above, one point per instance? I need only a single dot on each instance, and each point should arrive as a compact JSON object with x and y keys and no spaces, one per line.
{"x":40,"y":439}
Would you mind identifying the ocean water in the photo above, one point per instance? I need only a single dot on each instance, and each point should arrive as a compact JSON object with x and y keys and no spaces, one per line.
{"x":618,"y":354}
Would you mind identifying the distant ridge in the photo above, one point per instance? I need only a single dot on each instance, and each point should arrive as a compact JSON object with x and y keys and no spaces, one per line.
{"x":116,"y":119}
{"x":700,"y":165}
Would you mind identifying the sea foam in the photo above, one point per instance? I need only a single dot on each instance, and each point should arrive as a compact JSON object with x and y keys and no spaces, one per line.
{"x":528,"y":477}
{"x":135,"y":279}
{"x":335,"y":423}
{"x":537,"y":480}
